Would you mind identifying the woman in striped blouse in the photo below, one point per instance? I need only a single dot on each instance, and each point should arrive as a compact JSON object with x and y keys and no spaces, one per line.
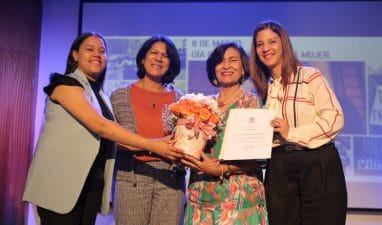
{"x":305,"y":183}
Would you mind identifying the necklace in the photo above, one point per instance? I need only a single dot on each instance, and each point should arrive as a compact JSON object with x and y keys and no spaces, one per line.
{"x":155,"y":102}
{"x":230,"y":99}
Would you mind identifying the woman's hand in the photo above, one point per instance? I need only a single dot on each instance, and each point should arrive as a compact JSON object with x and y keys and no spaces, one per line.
{"x":169,"y":139}
{"x":280,"y":126}
{"x":166,"y":149}
{"x":205,"y":165}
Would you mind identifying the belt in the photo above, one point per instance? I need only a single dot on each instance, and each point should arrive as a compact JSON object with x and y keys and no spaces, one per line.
{"x":292,"y":147}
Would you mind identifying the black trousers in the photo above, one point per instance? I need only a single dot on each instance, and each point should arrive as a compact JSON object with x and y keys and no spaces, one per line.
{"x":306,"y":186}
{"x":84,"y":212}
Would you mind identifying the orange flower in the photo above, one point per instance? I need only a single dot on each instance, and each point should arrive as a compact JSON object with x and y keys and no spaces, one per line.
{"x":185,"y":110}
{"x":215,"y":118}
{"x":195,"y":108}
{"x":183,"y":102}
{"x":175,"y":108}
{"x":204,"y":114}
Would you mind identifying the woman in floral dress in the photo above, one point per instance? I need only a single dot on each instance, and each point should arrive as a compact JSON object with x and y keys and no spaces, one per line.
{"x":226,"y":192}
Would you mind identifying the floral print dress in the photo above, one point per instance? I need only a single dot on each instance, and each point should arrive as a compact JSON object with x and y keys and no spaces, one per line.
{"x":238,"y":199}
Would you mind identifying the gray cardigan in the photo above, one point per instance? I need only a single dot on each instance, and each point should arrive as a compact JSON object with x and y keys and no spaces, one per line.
{"x":64,"y":155}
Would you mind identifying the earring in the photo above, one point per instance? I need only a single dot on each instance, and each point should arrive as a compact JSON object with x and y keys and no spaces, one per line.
{"x":215,"y":82}
{"x":242,"y":77}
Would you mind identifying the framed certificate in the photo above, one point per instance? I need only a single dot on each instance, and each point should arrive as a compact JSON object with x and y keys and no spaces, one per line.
{"x":248,"y":134}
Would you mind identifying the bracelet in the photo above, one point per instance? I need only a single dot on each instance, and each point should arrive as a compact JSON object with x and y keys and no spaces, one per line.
{"x":228,"y":173}
{"x":222,"y":172}
{"x":150,"y":147}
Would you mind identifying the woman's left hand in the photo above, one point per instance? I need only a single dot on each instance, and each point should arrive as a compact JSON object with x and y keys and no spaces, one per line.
{"x":280,"y":126}
{"x":205,"y":165}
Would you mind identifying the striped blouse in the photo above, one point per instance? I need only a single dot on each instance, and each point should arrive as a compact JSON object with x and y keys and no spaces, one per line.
{"x":318,"y":116}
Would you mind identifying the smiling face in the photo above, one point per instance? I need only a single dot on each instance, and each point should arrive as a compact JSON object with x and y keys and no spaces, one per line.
{"x":156,"y":62}
{"x":269,"y":50}
{"x":230,"y":70}
{"x":91,"y":57}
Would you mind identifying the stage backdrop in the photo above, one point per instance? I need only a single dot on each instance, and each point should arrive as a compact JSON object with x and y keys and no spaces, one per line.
{"x":342,"y":39}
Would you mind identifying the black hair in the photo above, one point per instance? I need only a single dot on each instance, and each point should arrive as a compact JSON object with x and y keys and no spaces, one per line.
{"x":71,"y":64}
{"x":217,"y":56}
{"x":173,"y":55}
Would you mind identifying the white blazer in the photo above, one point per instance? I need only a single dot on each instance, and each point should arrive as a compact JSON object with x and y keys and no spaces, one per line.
{"x":64,"y":155}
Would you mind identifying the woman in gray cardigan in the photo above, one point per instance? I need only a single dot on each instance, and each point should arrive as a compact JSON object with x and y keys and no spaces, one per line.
{"x":70,"y":176}
{"x":148,"y":189}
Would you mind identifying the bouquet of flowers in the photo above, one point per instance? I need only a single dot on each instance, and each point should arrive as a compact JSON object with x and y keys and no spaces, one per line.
{"x":194,"y":119}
